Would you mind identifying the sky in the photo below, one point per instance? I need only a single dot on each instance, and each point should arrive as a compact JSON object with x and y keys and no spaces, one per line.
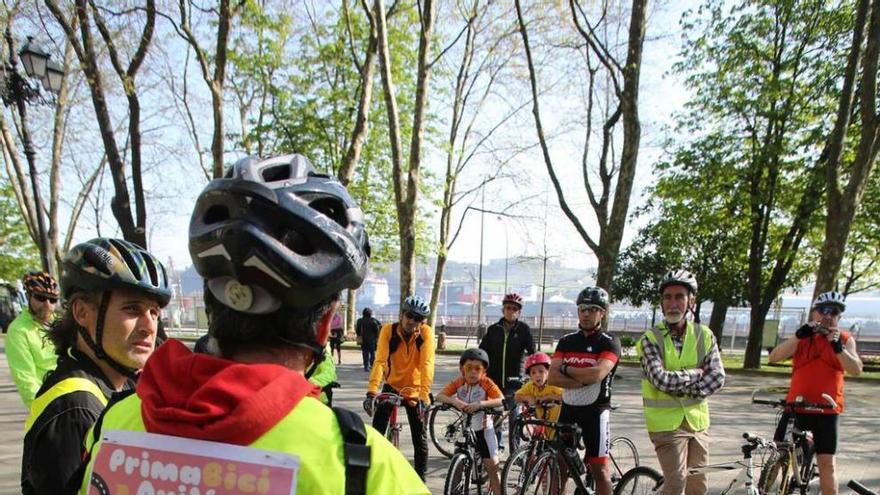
{"x":660,"y":96}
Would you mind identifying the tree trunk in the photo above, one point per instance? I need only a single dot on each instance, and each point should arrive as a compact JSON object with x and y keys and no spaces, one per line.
{"x":842,"y":204}
{"x":757,"y":317}
{"x":361,"y":124}
{"x":350,"y":311}
{"x":717,"y":319}
{"x":437,"y":286}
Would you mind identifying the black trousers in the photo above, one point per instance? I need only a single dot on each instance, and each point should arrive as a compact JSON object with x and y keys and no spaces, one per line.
{"x":416,"y":427}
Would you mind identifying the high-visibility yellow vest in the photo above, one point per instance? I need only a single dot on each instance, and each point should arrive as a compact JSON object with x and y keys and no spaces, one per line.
{"x":311,"y":432}
{"x":64,"y":387}
{"x":663,"y":411}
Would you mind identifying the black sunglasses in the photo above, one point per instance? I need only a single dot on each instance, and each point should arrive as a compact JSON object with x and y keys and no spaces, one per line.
{"x":828,"y":310}
{"x":414,"y":317}
{"x":41,"y":298}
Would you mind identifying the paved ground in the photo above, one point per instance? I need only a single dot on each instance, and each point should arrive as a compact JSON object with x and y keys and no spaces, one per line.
{"x":731,"y":415}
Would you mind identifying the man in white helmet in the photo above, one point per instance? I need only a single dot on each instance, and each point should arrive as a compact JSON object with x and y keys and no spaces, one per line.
{"x":821,"y":353}
{"x":681,"y":368}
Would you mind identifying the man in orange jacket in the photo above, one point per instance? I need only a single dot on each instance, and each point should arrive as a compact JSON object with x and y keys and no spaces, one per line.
{"x":405,"y":362}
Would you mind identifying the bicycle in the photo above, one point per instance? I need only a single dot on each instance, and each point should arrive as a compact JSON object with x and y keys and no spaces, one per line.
{"x":466,"y":468}
{"x":622,"y":456}
{"x":791,"y":466}
{"x":516,"y":467}
{"x":445,"y":423}
{"x":394,"y":401}
{"x":860,"y":488}
{"x":643,"y":480}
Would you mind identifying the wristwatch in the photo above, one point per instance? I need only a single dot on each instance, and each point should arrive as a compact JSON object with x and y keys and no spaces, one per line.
{"x":564,"y":370}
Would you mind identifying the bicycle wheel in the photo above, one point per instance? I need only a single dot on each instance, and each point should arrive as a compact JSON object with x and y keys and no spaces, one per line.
{"x":543,"y":476}
{"x":774,"y":477}
{"x":513,"y":475}
{"x":458,"y":477}
{"x":444,"y":426}
{"x":623,"y":456}
{"x":640,"y":480}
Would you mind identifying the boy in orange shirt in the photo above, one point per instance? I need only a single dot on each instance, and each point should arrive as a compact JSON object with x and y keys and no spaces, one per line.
{"x":469,"y":393}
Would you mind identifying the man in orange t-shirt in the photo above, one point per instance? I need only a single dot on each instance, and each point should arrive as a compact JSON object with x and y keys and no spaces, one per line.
{"x":821,"y":353}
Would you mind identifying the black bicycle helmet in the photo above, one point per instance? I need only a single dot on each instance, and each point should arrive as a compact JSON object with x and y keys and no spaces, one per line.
{"x":416,"y":305}
{"x":474,"y":353}
{"x":275,"y":233}
{"x":680,"y":277}
{"x":40,"y":283}
{"x":104,"y":265}
{"x":594,"y":296}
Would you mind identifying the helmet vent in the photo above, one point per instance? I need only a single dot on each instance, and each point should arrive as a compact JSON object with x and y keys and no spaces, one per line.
{"x":216,"y":213}
{"x":297,"y":243}
{"x":276,"y":173}
{"x":331,"y":208}
{"x":127,"y":257}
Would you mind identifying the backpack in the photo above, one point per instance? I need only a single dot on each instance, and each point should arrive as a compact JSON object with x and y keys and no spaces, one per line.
{"x":395,"y":341}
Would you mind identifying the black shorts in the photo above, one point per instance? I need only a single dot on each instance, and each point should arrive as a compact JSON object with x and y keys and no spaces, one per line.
{"x":595,"y":423}
{"x":824,"y":428}
{"x":335,"y":343}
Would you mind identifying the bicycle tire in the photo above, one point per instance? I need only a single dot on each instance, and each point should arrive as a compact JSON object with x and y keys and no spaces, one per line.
{"x":444,"y":434}
{"x":640,"y":480}
{"x":515,"y":470}
{"x":458,"y":476}
{"x":543,"y":476}
{"x":774,"y":478}
{"x":808,"y":471}
{"x":623,"y":455}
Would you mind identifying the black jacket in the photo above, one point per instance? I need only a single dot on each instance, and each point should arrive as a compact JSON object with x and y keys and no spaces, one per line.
{"x":519,"y":343}
{"x":53,"y":447}
{"x":368,"y":330}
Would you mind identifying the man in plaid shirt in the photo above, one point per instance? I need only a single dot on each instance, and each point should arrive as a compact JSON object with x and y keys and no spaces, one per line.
{"x":681,"y":368}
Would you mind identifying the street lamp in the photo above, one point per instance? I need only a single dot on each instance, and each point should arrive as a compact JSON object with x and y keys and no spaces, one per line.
{"x":19,"y":90}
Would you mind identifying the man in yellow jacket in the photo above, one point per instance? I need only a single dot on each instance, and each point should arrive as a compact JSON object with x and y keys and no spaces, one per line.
{"x":681,"y":368}
{"x":405,"y":362}
{"x":28,"y":350}
{"x":276,"y":242}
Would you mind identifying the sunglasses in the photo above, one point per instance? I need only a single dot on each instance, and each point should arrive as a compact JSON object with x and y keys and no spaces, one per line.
{"x":588,"y":307}
{"x":41,"y":298}
{"x":414,"y":317}
{"x":828,"y":310}
{"x":508,"y":307}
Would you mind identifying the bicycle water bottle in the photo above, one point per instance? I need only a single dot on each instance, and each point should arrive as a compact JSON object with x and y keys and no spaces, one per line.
{"x":574,"y":460}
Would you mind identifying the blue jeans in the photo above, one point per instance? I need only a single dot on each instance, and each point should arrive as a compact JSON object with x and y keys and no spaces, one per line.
{"x":512,"y":441}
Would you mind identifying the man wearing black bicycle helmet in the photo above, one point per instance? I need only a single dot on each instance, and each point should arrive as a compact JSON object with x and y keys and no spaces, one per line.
{"x":822,"y":353}
{"x":113,"y":291}
{"x":405,"y":363}
{"x":681,"y":369}
{"x":276,"y":242}
{"x":584,"y":365}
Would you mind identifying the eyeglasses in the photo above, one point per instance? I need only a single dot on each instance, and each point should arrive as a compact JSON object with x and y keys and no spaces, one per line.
{"x":42,"y":298}
{"x":414,"y":317}
{"x":589,"y":308}
{"x":828,"y":310}
{"x":473,"y":367}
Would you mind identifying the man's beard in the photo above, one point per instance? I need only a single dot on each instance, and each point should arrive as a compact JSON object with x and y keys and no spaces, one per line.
{"x":674,"y":319}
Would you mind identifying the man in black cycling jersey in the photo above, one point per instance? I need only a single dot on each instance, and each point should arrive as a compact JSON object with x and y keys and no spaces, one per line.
{"x":508,"y":342}
{"x":584,"y":365}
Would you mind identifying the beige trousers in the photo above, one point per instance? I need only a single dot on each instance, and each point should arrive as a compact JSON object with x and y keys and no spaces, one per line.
{"x":677,"y":451}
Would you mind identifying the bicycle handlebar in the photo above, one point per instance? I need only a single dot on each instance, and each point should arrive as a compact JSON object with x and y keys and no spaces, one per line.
{"x":860,"y":488}
{"x":757,"y":441}
{"x":782,"y":403}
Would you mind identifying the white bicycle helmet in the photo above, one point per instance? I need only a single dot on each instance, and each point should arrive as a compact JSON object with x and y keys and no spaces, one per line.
{"x":830,"y":298}
{"x":679,"y":277}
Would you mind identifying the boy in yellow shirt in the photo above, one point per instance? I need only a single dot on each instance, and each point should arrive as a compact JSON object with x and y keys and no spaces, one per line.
{"x":537,"y":390}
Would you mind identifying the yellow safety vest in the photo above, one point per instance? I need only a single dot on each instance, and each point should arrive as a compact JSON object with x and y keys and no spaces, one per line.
{"x":663,"y":411}
{"x":64,"y":387}
{"x":311,"y":432}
